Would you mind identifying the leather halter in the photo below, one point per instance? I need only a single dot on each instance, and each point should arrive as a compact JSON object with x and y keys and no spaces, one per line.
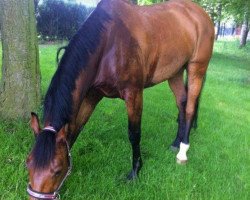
{"x":53,"y":195}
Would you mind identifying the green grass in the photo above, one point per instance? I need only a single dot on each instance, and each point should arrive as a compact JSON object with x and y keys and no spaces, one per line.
{"x":219,"y":157}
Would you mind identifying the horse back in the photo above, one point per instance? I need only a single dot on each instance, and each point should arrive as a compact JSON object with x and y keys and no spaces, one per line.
{"x":146,"y":45}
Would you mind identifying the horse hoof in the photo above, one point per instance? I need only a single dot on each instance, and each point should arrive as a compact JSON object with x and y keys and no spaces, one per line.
{"x":132,"y":176}
{"x":174,"y":148}
{"x":181,"y":162}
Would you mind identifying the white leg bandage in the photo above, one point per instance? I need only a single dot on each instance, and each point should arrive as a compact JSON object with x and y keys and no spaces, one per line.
{"x":182,"y":155}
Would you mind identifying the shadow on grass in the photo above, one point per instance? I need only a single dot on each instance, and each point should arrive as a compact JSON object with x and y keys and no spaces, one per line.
{"x":232,"y":59}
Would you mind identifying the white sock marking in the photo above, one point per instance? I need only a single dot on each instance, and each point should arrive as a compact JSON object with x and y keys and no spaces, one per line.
{"x":182,"y":155}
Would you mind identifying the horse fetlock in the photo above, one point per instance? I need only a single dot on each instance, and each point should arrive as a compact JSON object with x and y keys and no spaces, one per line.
{"x":176,"y":144}
{"x":137,"y":165}
{"x":182,"y":155}
{"x":132,"y":175}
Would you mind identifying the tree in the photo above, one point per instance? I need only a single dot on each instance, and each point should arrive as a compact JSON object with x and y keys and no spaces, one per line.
{"x":241,"y":10}
{"x":222,"y":9}
{"x":219,"y":20}
{"x":244,"y":31}
{"x":20,"y":84}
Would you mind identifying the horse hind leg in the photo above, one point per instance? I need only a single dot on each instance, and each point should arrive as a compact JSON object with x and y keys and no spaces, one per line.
{"x":178,"y":88}
{"x":196,"y":114}
{"x":196,"y":74}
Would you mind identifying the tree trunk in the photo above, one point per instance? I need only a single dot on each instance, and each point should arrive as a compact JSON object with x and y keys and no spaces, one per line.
{"x":244,"y":31}
{"x":219,"y":21}
{"x":20,"y":84}
{"x":223,"y":29}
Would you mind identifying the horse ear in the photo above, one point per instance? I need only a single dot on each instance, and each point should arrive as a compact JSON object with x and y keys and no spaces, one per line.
{"x":34,"y":124}
{"x":62,"y":134}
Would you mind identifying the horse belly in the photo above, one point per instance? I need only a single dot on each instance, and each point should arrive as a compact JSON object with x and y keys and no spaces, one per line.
{"x":166,"y":70}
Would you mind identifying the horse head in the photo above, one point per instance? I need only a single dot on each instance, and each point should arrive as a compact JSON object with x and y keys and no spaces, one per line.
{"x":49,"y":162}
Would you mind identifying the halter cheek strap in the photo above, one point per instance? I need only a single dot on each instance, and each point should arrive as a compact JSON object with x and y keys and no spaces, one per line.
{"x":54,"y":195}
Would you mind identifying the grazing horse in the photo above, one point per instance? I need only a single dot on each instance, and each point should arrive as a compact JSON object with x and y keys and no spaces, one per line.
{"x":120,"y":49}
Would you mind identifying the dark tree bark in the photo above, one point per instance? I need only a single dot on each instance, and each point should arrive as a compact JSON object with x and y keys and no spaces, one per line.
{"x":223,"y":29}
{"x":20,"y":84}
{"x":244,"y":31}
{"x":218,"y":21}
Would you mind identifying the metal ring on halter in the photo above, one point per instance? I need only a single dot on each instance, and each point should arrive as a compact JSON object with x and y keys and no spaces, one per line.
{"x":54,"y":195}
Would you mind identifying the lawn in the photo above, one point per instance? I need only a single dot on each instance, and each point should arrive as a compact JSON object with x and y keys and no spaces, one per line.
{"x":219,"y":157}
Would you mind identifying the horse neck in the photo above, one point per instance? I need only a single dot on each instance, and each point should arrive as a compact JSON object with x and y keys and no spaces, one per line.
{"x":82,"y":84}
{"x":77,"y":71}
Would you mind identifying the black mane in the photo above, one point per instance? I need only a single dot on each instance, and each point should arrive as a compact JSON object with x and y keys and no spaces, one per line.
{"x":58,"y":100}
{"x":44,"y":149}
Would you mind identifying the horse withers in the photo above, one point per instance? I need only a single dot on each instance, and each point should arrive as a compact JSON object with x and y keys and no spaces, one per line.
{"x":120,"y":49}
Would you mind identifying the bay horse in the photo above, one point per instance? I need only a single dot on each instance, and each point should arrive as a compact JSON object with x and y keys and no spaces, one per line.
{"x":120,"y":49}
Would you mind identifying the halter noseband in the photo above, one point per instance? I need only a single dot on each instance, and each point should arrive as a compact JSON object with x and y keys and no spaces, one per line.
{"x":53,"y":195}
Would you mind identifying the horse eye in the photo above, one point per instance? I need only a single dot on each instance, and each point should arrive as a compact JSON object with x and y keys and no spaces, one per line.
{"x":58,"y":173}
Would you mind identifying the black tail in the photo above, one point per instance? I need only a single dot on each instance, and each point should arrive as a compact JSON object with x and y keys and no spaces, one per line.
{"x":58,"y":53}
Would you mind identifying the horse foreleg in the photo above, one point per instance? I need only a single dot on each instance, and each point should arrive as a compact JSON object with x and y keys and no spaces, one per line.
{"x":134,"y":99}
{"x":86,"y":109}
